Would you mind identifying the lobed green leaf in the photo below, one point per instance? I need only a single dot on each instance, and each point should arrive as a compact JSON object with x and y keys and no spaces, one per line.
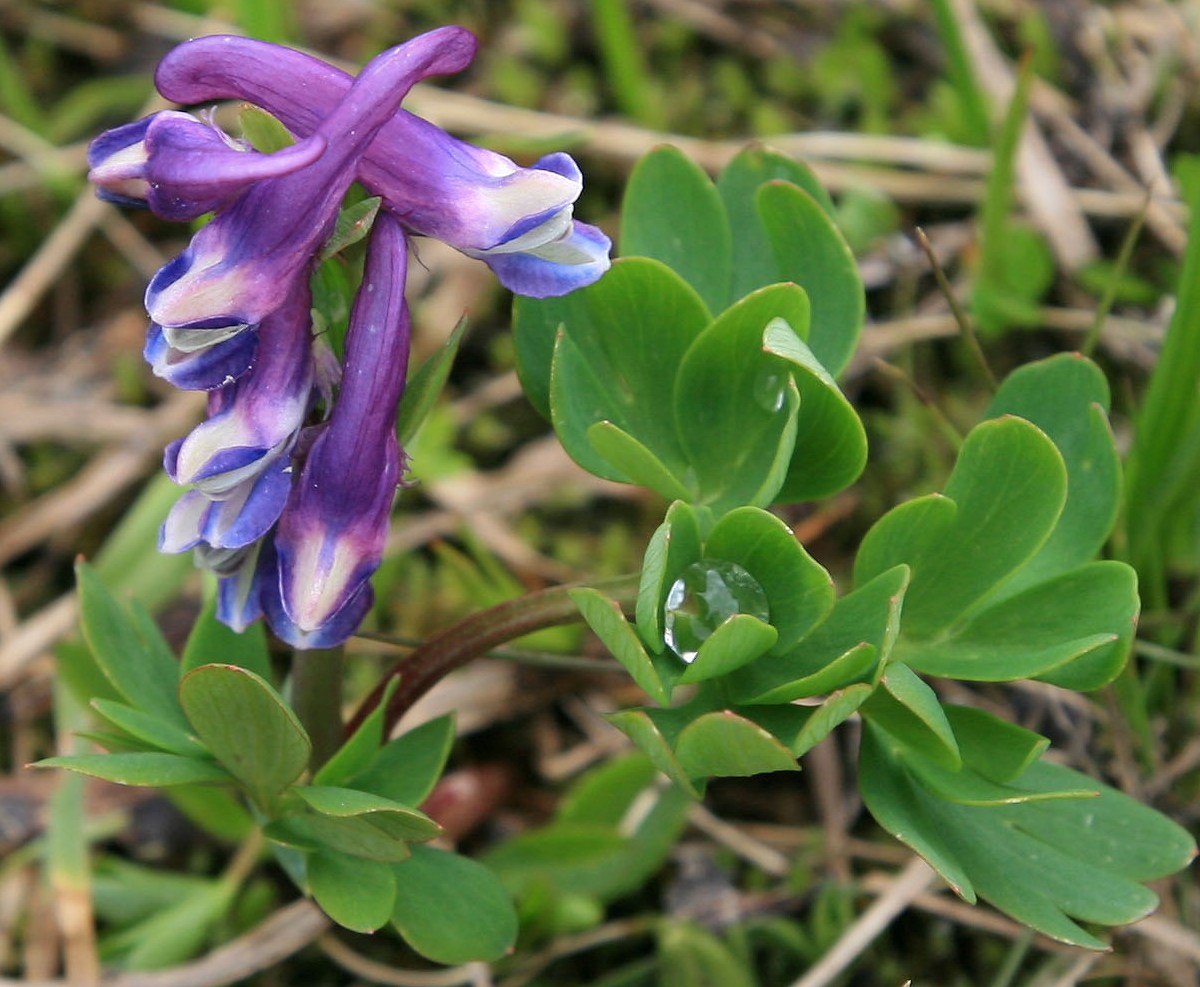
{"x":754,"y":261}
{"x":151,"y":769}
{"x":612,"y":360}
{"x":672,"y":212}
{"x":1074,"y":629}
{"x":798,"y":589}
{"x":810,"y":251}
{"x":247,"y":726}
{"x":128,"y":648}
{"x":452,"y":909}
{"x":400,"y":822}
{"x":740,"y":449}
{"x":356,"y":893}
{"x":406,"y":769}
{"x":212,"y":641}
{"x":1001,"y":503}
{"x":831,"y":443}
{"x":854,"y":636}
{"x":1066,"y":396}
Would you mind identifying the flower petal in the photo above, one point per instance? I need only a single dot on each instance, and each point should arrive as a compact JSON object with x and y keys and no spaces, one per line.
{"x":557,"y":267}
{"x":230,"y":273}
{"x":255,"y":419}
{"x":332,"y":532}
{"x":201,"y":369}
{"x":243,"y":585}
{"x":473,"y":199}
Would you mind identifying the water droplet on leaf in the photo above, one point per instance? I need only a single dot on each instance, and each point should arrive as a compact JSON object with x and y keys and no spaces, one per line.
{"x":705,"y":595}
{"x":770,"y":386}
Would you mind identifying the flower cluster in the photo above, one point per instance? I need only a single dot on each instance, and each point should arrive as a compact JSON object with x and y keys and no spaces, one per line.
{"x":290,"y":486}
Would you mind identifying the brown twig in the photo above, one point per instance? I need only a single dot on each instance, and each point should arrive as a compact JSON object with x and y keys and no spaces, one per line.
{"x":286,"y":932}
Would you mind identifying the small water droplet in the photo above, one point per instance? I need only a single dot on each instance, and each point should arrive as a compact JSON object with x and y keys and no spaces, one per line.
{"x":704,"y":596}
{"x":770,"y":387}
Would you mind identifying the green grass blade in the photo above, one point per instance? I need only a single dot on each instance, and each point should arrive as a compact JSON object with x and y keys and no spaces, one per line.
{"x":1163,"y":470}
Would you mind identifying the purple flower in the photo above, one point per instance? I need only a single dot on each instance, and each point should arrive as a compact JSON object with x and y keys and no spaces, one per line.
{"x":290,"y":511}
{"x":231,"y":275}
{"x":332,"y":532}
{"x":254,"y":420}
{"x":182,"y":167}
{"x":518,"y":220}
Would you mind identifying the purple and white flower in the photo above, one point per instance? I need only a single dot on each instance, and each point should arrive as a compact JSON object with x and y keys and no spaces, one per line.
{"x":292,"y":476}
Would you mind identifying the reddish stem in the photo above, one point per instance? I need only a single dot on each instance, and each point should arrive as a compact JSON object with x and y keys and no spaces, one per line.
{"x":474,"y":636}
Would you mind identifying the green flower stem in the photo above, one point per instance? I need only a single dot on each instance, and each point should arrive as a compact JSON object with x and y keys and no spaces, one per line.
{"x":475,"y":636}
{"x":317,"y":699}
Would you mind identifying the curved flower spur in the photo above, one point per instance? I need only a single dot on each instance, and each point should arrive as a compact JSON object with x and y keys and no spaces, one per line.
{"x":291,"y":514}
{"x":517,"y":220}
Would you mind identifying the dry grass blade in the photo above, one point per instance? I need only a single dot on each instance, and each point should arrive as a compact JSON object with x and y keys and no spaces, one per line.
{"x":905,"y":887}
{"x":1042,"y":183}
{"x":288,"y":930}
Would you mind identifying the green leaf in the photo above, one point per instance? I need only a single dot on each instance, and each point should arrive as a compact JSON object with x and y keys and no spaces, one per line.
{"x":353,"y":224}
{"x":148,"y":728}
{"x":674,"y":546}
{"x":211,"y":641}
{"x":595,"y":312}
{"x":1066,"y":396}
{"x":406,"y":769}
{"x":424,"y":387}
{"x":799,"y":591}
{"x":333,"y":294}
{"x":129,"y":561}
{"x":900,"y":806}
{"x":811,"y":251}
{"x":838,"y":707}
{"x":361,"y":747}
{"x":451,"y":909}
{"x":672,"y":212}
{"x":265,"y":133}
{"x":995,"y":748}
{"x":1074,"y":630}
{"x":614,"y":360}
{"x":150,"y":769}
{"x":351,"y":835}
{"x":1043,"y":861}
{"x":178,"y":931}
{"x":1163,"y":466}
{"x":754,"y":262}
{"x":831,"y":442}
{"x":1001,"y":503}
{"x":690,"y":956}
{"x":908,"y":709}
{"x":740,"y":448}
{"x":247,"y":726}
{"x":571,"y":857}
{"x":604,"y":796}
{"x":724,"y":744}
{"x":967,"y":786}
{"x":604,"y":617}
{"x":131,"y":652}
{"x":220,"y":812}
{"x":645,"y":727}
{"x":737,"y":641}
{"x":77,"y":667}
{"x":1012,"y":259}
{"x":856,"y":633}
{"x":634,"y":461}
{"x":968,"y":93}
{"x":358,"y":894}
{"x":398,"y":821}
{"x":124,"y":892}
